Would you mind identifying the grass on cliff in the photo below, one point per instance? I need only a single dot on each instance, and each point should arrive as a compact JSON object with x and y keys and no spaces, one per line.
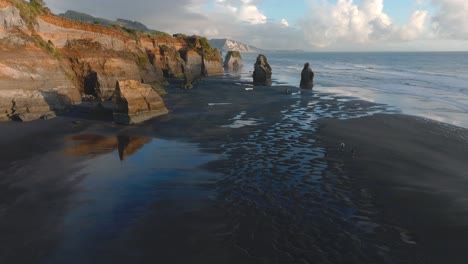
{"x":137,"y":34}
{"x":158,"y":34}
{"x":142,"y":61}
{"x":235,"y":54}
{"x":47,"y":46}
{"x":29,"y":11}
{"x":202,"y":46}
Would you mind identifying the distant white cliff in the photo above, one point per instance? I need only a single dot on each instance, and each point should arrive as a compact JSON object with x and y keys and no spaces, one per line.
{"x":226,"y":45}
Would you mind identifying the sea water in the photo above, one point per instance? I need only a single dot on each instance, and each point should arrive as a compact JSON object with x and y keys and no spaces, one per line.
{"x":432,"y":85}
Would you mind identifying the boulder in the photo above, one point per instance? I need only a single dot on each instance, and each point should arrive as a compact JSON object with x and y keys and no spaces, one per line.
{"x":307,"y":77}
{"x":233,"y":61}
{"x":137,"y":102}
{"x":29,"y":105}
{"x":262,"y":72}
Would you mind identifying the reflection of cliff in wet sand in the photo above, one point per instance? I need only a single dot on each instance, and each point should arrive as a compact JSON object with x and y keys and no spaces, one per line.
{"x":93,"y":145}
{"x":129,"y":145}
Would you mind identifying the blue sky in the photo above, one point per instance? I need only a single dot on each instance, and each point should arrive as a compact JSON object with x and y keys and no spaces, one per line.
{"x":317,"y":25}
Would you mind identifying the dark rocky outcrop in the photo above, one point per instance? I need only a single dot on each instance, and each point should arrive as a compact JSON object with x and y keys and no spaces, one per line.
{"x":233,"y":61}
{"x":262,"y":71}
{"x":307,"y":77}
{"x":136,"y":102}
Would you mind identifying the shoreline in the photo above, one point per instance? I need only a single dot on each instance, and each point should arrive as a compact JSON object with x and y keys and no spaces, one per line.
{"x":259,"y":136}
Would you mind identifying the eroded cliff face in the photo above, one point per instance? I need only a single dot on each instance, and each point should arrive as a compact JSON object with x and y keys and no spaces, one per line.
{"x":61,"y":60}
{"x":32,"y":81}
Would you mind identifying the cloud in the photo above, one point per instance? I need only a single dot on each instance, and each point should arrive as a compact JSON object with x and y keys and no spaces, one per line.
{"x":326,"y":25}
{"x":240,"y":20}
{"x":347,"y":22}
{"x":244,"y":10}
{"x":451,"y":19}
{"x":284,"y":23}
{"x":415,"y":26}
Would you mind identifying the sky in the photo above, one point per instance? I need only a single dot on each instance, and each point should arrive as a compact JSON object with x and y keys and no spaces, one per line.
{"x":312,"y":25}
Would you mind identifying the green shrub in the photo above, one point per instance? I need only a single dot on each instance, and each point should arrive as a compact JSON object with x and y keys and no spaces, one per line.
{"x":142,"y":60}
{"x":29,"y":11}
{"x":158,"y":34}
{"x":235,"y":54}
{"x":47,"y":46}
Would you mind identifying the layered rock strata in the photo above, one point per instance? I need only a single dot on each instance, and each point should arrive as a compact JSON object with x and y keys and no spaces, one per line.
{"x":41,"y":53}
{"x":136,"y":102}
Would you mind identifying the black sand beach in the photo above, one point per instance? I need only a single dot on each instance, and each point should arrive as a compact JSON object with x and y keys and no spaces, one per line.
{"x":235,"y":176}
{"x":417,"y":171}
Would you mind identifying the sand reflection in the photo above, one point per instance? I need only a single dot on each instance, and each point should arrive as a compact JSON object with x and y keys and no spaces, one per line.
{"x":94,"y":145}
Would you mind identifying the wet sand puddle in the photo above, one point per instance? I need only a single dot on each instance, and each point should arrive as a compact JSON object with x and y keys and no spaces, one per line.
{"x":289,"y":203}
{"x":122,"y":177}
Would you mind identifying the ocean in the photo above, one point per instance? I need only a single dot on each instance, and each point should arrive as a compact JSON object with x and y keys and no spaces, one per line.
{"x":432,"y":85}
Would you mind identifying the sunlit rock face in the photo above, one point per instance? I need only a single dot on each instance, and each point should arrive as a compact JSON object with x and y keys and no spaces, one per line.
{"x":58,"y":61}
{"x":33,"y":83}
{"x":137,"y":102}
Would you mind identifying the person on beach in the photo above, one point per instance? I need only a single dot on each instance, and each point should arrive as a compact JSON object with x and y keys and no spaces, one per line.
{"x":307,"y":77}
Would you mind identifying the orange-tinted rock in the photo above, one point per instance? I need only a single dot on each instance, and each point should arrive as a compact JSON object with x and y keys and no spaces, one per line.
{"x":137,"y":102}
{"x":65,"y":59}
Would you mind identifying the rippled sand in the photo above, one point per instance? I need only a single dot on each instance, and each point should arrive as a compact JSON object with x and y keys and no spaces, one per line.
{"x":236,"y":176}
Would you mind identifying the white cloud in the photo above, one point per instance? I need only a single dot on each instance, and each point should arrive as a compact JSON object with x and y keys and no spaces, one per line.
{"x":341,"y":25}
{"x":415,"y":26}
{"x":251,"y":14}
{"x":347,"y":22}
{"x":245,"y":10}
{"x":451,"y":19}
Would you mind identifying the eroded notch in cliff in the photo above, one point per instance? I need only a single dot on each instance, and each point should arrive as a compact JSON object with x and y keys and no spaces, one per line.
{"x":91,"y":83}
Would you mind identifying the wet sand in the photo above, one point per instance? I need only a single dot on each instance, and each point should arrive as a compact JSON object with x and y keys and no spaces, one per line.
{"x":235,"y":176}
{"x":416,"y":170}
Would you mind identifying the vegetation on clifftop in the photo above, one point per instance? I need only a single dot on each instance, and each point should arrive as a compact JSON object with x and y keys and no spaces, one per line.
{"x":202,"y":46}
{"x":133,"y":28}
{"x":30,"y":10}
{"x":235,"y":54}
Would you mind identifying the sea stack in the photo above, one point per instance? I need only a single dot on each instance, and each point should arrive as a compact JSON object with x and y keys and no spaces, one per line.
{"x":262,"y":72}
{"x":136,"y":102}
{"x":233,"y":61}
{"x":307,"y":77}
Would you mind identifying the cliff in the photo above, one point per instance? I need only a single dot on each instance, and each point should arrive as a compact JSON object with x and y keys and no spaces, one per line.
{"x":135,"y":25}
{"x":226,"y":45}
{"x":60,"y":60}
